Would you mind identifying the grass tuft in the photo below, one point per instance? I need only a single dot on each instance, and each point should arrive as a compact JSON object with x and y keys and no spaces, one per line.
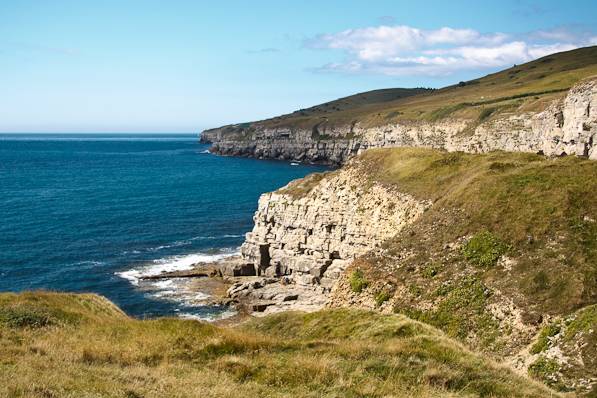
{"x":357,"y":281}
{"x":484,"y":249}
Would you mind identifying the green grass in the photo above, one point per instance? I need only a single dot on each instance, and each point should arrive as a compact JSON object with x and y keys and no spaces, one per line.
{"x":358,"y":282}
{"x":333,"y":353}
{"x":534,"y":212}
{"x":546,"y":370}
{"x":543,"y":340}
{"x":584,"y":321}
{"x":462,"y":310}
{"x":382,"y":297}
{"x":484,"y":249}
{"x":301,"y":187}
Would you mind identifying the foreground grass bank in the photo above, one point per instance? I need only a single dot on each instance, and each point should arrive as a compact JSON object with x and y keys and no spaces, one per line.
{"x":67,"y":345}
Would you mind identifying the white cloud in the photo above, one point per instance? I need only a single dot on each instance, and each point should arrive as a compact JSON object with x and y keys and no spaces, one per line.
{"x":405,"y":50}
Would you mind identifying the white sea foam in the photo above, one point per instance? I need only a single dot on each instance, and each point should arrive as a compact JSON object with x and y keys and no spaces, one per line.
{"x":89,"y":263}
{"x":172,"y":263}
{"x":178,"y":290}
{"x":164,"y":293}
{"x":183,"y":242}
{"x":163,"y":284}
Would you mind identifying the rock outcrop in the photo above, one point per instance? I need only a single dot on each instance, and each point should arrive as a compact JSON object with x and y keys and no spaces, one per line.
{"x":312,"y":237}
{"x":566,"y":127}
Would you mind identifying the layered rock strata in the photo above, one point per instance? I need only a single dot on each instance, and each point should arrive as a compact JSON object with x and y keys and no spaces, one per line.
{"x":311,"y":238}
{"x":566,"y":127}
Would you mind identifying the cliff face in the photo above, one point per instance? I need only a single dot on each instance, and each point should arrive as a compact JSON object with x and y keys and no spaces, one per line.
{"x":312,"y":236}
{"x":566,"y":127}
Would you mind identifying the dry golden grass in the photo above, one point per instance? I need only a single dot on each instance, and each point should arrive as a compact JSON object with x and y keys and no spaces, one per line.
{"x":85,"y":347}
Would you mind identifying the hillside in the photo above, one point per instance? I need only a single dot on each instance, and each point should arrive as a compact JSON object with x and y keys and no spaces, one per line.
{"x":524,"y":87}
{"x":494,"y":249}
{"x":66,"y":345}
{"x":519,"y":108}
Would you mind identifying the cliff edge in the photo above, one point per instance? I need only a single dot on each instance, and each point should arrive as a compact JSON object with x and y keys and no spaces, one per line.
{"x":547,"y":106}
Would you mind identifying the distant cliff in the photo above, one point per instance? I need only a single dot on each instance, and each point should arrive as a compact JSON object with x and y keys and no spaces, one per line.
{"x":547,"y":106}
{"x":566,"y":127}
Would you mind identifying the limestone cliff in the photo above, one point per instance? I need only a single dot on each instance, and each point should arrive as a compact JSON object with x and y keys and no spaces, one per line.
{"x":567,"y":126}
{"x":312,"y":233}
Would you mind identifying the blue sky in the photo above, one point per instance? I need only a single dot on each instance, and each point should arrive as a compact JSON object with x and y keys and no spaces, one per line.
{"x":181,"y":66}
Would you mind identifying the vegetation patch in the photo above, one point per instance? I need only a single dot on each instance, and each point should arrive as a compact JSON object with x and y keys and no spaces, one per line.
{"x":25,"y":317}
{"x":382,"y":297}
{"x":430,"y":270}
{"x":583,"y":322}
{"x":332,"y":353}
{"x":546,"y":370}
{"x":358,"y":282}
{"x":461,"y":311}
{"x":486,"y":113}
{"x":445,"y":111}
{"x":546,"y":333}
{"x":303,"y":186}
{"x":484,"y":249}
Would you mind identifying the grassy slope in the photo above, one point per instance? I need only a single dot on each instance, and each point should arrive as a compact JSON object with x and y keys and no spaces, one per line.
{"x":539,"y":213}
{"x":65,"y":345}
{"x":527,"y":87}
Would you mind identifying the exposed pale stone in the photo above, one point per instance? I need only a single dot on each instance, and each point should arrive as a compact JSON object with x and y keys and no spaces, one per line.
{"x":316,"y":236}
{"x":566,"y":126}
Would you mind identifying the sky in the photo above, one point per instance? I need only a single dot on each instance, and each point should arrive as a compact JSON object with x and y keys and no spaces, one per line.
{"x":183,"y":66}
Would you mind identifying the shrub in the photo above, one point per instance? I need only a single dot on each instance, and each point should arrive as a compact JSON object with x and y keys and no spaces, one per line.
{"x":484,"y":249}
{"x":486,"y":113}
{"x":382,"y":297}
{"x":543,"y":340}
{"x":546,"y":370}
{"x":358,"y":281}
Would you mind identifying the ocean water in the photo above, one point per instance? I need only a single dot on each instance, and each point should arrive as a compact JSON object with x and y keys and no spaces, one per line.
{"x":92,"y":213}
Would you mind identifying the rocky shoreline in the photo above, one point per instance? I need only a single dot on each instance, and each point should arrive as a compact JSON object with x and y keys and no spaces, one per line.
{"x":234,"y":286}
{"x":305,"y":236}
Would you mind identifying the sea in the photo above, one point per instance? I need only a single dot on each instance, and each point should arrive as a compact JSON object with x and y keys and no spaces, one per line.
{"x":96,"y":212}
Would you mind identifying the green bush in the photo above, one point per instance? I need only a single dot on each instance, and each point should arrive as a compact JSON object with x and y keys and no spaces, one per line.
{"x":430,"y":270}
{"x":486,"y":113}
{"x":358,"y":281}
{"x":484,"y":249}
{"x":382,"y":297}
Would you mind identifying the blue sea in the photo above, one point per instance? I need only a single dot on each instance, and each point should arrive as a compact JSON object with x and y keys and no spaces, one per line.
{"x":93,"y":213}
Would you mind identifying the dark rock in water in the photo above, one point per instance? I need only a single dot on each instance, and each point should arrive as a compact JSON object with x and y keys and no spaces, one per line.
{"x":193,"y":273}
